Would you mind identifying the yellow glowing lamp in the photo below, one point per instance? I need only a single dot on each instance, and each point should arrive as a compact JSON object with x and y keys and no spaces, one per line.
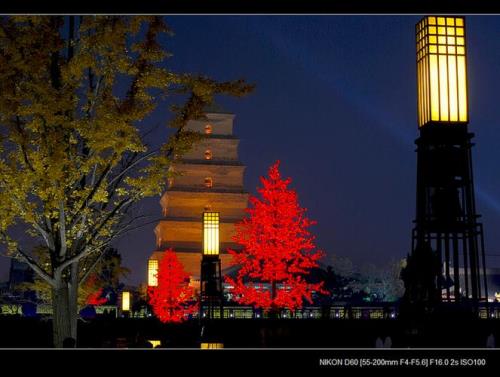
{"x":210,"y":233}
{"x":441,"y":70}
{"x":125,"y":301}
{"x":155,"y":343}
{"x":153,"y":272}
{"x":211,"y":346}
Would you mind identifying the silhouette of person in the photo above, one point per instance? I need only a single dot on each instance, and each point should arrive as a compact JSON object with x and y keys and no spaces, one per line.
{"x":388,"y":342}
{"x":379,"y":343}
{"x":490,"y":341}
{"x":69,"y":343}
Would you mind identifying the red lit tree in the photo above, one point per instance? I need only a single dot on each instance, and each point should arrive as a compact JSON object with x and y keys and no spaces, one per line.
{"x":93,"y":292}
{"x":95,"y":298}
{"x":170,"y":299}
{"x":278,"y":250}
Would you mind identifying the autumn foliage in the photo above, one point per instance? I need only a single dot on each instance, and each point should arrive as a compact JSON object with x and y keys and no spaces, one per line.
{"x":170,"y":299}
{"x":75,"y":155}
{"x":277,"y":252}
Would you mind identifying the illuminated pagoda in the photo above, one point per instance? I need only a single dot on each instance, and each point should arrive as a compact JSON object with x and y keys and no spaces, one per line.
{"x":210,"y":179}
{"x":446,"y":220}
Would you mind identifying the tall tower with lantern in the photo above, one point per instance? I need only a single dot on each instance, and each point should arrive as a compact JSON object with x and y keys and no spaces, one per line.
{"x":211,"y":294}
{"x":209,"y":178}
{"x":446,"y":223}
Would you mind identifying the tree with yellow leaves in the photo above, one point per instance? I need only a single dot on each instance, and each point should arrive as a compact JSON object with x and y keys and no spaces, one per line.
{"x":73,"y":158}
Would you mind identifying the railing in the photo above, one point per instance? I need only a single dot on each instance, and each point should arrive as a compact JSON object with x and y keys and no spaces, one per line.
{"x":312,"y":312}
{"x":490,"y":312}
{"x":334,"y":312}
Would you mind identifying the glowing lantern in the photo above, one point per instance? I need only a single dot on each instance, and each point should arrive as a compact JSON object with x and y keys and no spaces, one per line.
{"x":210,"y":233}
{"x":155,"y":343}
{"x":152,"y":272}
{"x":211,"y":346}
{"x":209,"y":182}
{"x":125,"y":301}
{"x":441,"y":70}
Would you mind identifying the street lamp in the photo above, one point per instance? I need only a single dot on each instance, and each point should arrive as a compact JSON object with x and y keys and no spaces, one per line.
{"x":446,"y":223}
{"x":441,"y":70}
{"x":210,"y":280}
{"x":125,"y":301}
{"x":152,"y":272}
{"x":211,"y":233}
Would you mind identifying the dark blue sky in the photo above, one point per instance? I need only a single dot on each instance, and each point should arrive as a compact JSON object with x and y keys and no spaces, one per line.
{"x":335,"y":101}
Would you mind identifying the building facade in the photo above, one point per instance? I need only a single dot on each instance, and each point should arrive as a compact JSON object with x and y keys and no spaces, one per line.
{"x":207,"y":178}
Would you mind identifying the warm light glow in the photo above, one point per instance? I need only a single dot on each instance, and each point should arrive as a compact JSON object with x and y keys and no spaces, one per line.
{"x":434,"y":90}
{"x":209,"y":182}
{"x":125,"y":301}
{"x":152,"y":272}
{"x":452,"y":82}
{"x":210,"y":233}
{"x":155,"y":343}
{"x":443,"y":87}
{"x":208,"y":129}
{"x":462,"y":89}
{"x":210,"y":346}
{"x":441,"y":70}
{"x":208,"y":154}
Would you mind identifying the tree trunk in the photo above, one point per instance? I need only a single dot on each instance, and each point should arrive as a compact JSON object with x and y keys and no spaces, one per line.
{"x":73,"y":299}
{"x":274,"y":311}
{"x":61,"y":319}
{"x":65,"y":308}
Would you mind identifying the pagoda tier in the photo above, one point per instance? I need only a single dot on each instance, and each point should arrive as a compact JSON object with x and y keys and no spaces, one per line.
{"x":191,"y":204}
{"x":184,"y":234}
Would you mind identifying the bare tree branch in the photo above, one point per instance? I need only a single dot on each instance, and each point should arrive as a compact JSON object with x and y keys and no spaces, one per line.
{"x":132,"y":164}
{"x":91,"y":268}
{"x":62,"y":229}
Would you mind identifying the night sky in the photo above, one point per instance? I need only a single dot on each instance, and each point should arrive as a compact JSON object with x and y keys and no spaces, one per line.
{"x":335,"y":101}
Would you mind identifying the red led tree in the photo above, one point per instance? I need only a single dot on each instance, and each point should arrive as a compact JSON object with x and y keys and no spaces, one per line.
{"x":278,"y":250}
{"x":170,"y":299}
{"x":95,"y":298}
{"x":93,"y":292}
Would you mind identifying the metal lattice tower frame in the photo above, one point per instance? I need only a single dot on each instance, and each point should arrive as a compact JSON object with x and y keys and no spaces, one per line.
{"x":446,"y":213}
